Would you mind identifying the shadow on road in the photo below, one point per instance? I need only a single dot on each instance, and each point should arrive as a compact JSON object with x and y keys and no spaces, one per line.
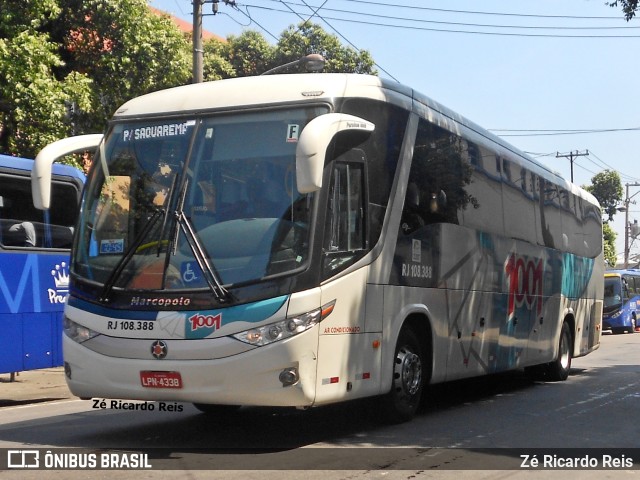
{"x":249,"y":428}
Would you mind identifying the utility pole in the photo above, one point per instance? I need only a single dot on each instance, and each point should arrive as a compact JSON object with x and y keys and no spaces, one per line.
{"x":570,"y":156}
{"x":198,"y":51}
{"x":627,"y":226}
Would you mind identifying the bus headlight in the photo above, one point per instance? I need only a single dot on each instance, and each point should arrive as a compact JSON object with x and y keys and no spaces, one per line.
{"x":77,"y":332}
{"x":286,"y":328}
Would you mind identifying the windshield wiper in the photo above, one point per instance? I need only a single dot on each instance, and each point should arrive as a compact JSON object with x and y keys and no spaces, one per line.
{"x":117,"y":271}
{"x":199,"y":252}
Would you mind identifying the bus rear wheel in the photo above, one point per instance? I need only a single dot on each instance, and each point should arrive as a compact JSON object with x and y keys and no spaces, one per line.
{"x":402,"y":402}
{"x":558,"y":370}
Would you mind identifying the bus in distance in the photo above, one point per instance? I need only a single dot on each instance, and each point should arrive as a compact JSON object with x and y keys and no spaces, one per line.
{"x":300,"y":240}
{"x":621,"y":300}
{"x":34,"y":264}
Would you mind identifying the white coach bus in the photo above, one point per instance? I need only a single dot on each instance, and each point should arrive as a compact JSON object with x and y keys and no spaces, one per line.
{"x":300,"y":240}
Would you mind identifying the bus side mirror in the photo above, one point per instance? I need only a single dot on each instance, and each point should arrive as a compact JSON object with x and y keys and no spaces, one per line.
{"x":41,"y":173}
{"x":314,"y":141}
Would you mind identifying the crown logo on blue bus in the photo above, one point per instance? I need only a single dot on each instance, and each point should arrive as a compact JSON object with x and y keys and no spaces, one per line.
{"x":61,"y":276}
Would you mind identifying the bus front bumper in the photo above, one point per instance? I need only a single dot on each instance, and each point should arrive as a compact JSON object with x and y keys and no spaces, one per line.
{"x":251,"y":378}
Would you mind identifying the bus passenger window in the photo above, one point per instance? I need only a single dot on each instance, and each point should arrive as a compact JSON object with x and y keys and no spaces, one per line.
{"x":625,"y":289}
{"x":18,"y":234}
{"x":22,"y":225}
{"x":438,"y":180}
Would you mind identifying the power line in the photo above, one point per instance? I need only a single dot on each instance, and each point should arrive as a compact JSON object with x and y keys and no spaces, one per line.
{"x":571,"y":155}
{"x":552,"y":132}
{"x":464,"y":24}
{"x":413,"y":7}
{"x":338,"y":33}
{"x":622,"y":174}
{"x":458,"y":24}
{"x":252,"y":20}
{"x":603,"y":165}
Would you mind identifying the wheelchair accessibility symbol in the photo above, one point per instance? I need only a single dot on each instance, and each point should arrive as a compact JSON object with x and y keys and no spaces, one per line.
{"x":189,"y":274}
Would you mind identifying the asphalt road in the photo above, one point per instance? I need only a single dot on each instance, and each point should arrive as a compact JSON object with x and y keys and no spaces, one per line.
{"x":594,"y":409}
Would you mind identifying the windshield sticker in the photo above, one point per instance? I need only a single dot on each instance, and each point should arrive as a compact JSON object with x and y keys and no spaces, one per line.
{"x":191,"y":274}
{"x":293,"y":132}
{"x":157,"y":131}
{"x":112,"y":246}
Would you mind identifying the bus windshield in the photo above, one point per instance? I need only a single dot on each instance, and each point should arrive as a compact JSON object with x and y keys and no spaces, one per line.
{"x":612,"y":293}
{"x":196,"y":202}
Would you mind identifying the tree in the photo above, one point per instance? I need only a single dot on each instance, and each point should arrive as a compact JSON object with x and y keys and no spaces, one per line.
{"x":609,"y":237}
{"x":308,"y":37}
{"x":68,"y":64}
{"x":606,"y":186}
{"x":251,"y":54}
{"x":216,"y":64}
{"x":124,"y":48}
{"x":34,"y":93}
{"x":629,"y":7}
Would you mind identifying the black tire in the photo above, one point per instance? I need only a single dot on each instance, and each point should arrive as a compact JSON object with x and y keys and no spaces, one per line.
{"x":409,"y":374}
{"x":558,"y":370}
{"x":219,"y":410}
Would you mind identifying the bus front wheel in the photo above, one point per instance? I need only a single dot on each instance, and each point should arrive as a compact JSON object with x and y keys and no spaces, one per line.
{"x":403,"y":400}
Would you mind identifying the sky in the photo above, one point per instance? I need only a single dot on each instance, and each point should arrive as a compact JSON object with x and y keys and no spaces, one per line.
{"x":549,"y":77}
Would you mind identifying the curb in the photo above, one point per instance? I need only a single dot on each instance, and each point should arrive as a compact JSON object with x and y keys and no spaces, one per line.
{"x":33,"y":386}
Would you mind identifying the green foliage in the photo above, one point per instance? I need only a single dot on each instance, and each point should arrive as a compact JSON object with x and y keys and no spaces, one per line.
{"x":609,"y":244}
{"x":32,"y":99}
{"x":67,"y":65}
{"x":606,"y":186}
{"x":629,"y":7}
{"x":124,"y":48}
{"x":216,"y":65}
{"x":307,"y":38}
{"x":251,"y":54}
{"x":18,"y":16}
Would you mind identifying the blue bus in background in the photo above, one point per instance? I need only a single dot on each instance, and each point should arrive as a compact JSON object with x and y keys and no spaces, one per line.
{"x":621,"y":301}
{"x":34,"y":264}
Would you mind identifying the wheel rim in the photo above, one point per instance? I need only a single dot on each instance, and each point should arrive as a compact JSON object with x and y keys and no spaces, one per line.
{"x":408,"y":372}
{"x":565,"y":357}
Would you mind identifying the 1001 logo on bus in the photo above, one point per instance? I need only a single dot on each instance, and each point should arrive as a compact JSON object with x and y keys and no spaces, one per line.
{"x":205,"y":321}
{"x":524,"y":278}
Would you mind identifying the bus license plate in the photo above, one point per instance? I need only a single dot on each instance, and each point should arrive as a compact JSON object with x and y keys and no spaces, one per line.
{"x":155,"y":379}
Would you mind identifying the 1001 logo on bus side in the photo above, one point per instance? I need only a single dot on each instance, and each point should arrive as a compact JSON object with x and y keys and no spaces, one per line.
{"x":524,"y":278}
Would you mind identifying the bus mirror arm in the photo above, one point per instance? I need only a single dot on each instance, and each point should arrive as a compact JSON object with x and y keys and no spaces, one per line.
{"x":314,"y":141}
{"x":41,"y":173}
